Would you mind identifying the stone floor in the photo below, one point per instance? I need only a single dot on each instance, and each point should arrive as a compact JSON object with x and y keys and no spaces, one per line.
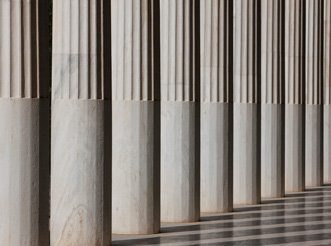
{"x":298,"y":219}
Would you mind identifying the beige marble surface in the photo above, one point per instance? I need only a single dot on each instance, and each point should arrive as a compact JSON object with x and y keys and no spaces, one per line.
{"x":180,"y":169}
{"x":314,"y":93}
{"x":246,"y":160}
{"x":136,"y":118}
{"x":327,"y":91}
{"x":180,"y":111}
{"x":272,"y":92}
{"x":294,"y":96}
{"x":81,"y":125}
{"x":81,"y":173}
{"x":216,"y":108}
{"x":24,"y":172}
{"x":136,"y":168}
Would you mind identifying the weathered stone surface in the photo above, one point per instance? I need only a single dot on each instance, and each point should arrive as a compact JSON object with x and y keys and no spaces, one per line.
{"x":24,"y":171}
{"x":180,"y":111}
{"x":81,"y":124}
{"x":294,"y":96}
{"x":81,"y":173}
{"x":327,"y":93}
{"x":136,"y":117}
{"x":24,"y":123}
{"x":216,"y":106}
{"x":314,"y":93}
{"x":272,"y":92}
{"x":246,"y":130}
{"x":247,"y":179}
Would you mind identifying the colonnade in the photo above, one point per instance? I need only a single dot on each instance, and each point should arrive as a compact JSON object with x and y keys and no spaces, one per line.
{"x":160,"y":110}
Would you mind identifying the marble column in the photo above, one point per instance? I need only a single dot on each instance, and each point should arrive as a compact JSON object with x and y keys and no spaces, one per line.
{"x":246,"y":111}
{"x":327,"y":92}
{"x":81,"y":124}
{"x":180,"y":111}
{"x":24,"y":123}
{"x":136,"y":117}
{"x":314,"y":93}
{"x":294,"y":95}
{"x":272,"y":103}
{"x":216,"y":105}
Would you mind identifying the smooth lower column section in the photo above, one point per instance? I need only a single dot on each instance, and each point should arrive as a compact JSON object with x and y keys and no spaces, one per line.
{"x":327,"y":143}
{"x":81,"y":172}
{"x":314,"y":145}
{"x":216,"y":157}
{"x":24,"y":172}
{"x":136,"y":167}
{"x":247,"y":169}
{"x":180,"y":168}
{"x":294,"y":148}
{"x":272,"y":158}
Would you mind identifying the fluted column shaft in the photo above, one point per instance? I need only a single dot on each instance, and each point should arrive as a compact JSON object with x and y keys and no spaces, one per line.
{"x":136,"y":117}
{"x":314,"y":93}
{"x":180,"y":111}
{"x":216,"y":105}
{"x":24,"y":123}
{"x":272,"y":95}
{"x":294,"y":95}
{"x":246,"y":132}
{"x":81,"y":124}
{"x":327,"y":92}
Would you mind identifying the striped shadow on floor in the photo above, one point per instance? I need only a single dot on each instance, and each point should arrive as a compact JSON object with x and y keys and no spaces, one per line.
{"x":298,"y":219}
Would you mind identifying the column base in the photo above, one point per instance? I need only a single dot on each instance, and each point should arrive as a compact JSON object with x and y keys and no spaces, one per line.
{"x":136,"y":167}
{"x":314,"y":145}
{"x":81,"y":172}
{"x":294,"y":148}
{"x":180,"y":162}
{"x":272,"y":151}
{"x":246,"y":151}
{"x":24,"y":172}
{"x":216,"y":158}
{"x":327,"y":143}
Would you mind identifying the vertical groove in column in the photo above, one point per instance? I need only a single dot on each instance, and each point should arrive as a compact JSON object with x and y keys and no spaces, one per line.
{"x":21,"y":61}
{"x":76,"y":55}
{"x":81,"y":124}
{"x":24,"y":123}
{"x":295,"y":95}
{"x":216,"y":106}
{"x":246,"y":152}
{"x":314,"y":93}
{"x":178,"y":52}
{"x":180,"y":116}
{"x":136,"y":114}
{"x":272,"y":95}
{"x":131,"y":59}
{"x":327,"y":92}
